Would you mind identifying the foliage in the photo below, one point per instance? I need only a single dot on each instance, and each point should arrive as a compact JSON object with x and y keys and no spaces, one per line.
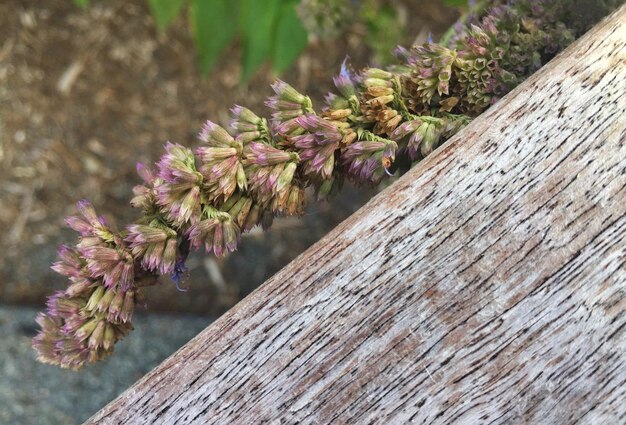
{"x":204,"y":17}
{"x":456,"y":3}
{"x":277,"y":31}
{"x":165,"y":11}
{"x":384,"y":31}
{"x":326,"y":19}
{"x":270,"y":30}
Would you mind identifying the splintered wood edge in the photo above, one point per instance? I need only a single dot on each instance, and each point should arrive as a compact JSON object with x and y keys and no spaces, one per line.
{"x":487,"y":285}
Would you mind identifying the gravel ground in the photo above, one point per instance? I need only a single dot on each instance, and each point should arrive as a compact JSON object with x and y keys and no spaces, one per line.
{"x":38,"y":394}
{"x":84,"y":94}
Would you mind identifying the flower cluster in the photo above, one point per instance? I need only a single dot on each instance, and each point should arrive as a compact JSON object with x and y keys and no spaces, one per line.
{"x":83,"y":322}
{"x":257,"y":169}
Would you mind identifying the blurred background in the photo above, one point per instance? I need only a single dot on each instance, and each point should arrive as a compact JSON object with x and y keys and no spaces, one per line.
{"x":88,"y":88}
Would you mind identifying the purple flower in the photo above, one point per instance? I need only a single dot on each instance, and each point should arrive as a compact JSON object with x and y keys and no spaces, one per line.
{"x":248,"y":126}
{"x":83,"y":322}
{"x":155,"y":247}
{"x":220,"y":161}
{"x":269,"y":170}
{"x":344,"y":81}
{"x":242,"y":115}
{"x":284,"y":92}
{"x":215,"y":136}
{"x":317,"y":147}
{"x":179,"y":193}
{"x":146,"y":173}
{"x":88,"y":223}
{"x":145,"y":194}
{"x":70,"y":264}
{"x":77,"y":329}
{"x":114,"y":265}
{"x":265,"y":155}
{"x":99,"y":254}
{"x":218,"y":234}
{"x":424,"y":135}
{"x":178,"y":166}
{"x":178,"y":274}
{"x":368,"y":159}
{"x":287,"y":104}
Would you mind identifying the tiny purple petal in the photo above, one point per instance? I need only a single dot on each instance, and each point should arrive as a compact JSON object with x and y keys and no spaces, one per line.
{"x":178,"y":275}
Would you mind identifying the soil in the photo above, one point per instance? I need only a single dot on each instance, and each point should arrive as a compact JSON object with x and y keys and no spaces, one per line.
{"x":84,"y":94}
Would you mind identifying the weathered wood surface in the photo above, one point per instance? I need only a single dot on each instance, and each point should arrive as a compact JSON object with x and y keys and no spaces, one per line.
{"x":488,"y":285}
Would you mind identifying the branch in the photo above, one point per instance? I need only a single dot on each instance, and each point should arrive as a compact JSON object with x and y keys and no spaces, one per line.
{"x":495,"y":295}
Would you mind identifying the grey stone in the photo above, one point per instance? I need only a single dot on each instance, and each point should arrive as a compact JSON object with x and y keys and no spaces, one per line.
{"x":34,"y":393}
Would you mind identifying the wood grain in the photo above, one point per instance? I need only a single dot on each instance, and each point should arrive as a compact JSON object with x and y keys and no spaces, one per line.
{"x":487,"y":285}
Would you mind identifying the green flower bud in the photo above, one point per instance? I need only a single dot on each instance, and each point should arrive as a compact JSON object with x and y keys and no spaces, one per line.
{"x":285,"y":177}
{"x":95,"y":297}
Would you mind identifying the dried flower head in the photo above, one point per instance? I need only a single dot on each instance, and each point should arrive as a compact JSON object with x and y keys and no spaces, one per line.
{"x":154,"y":246}
{"x":179,"y":193}
{"x":270,"y":171}
{"x":221,"y":161}
{"x":287,"y":104}
{"x":82,"y":323}
{"x":368,"y":159}
{"x":248,"y":126}
{"x":217,"y":232}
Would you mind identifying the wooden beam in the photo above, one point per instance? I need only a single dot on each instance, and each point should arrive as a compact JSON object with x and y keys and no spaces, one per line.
{"x":487,"y":285}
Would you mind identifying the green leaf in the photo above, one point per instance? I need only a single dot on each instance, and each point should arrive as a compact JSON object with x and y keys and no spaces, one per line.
{"x":165,"y":11}
{"x":384,"y":31}
{"x":81,"y":3}
{"x":258,"y":18}
{"x":290,"y":37}
{"x":214,"y":25}
{"x":455,"y":3}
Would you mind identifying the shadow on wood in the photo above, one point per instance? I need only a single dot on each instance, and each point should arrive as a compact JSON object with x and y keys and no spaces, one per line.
{"x":488,"y":285}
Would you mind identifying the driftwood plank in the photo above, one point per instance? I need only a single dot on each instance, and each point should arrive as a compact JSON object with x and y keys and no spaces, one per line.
{"x":488,"y":285}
